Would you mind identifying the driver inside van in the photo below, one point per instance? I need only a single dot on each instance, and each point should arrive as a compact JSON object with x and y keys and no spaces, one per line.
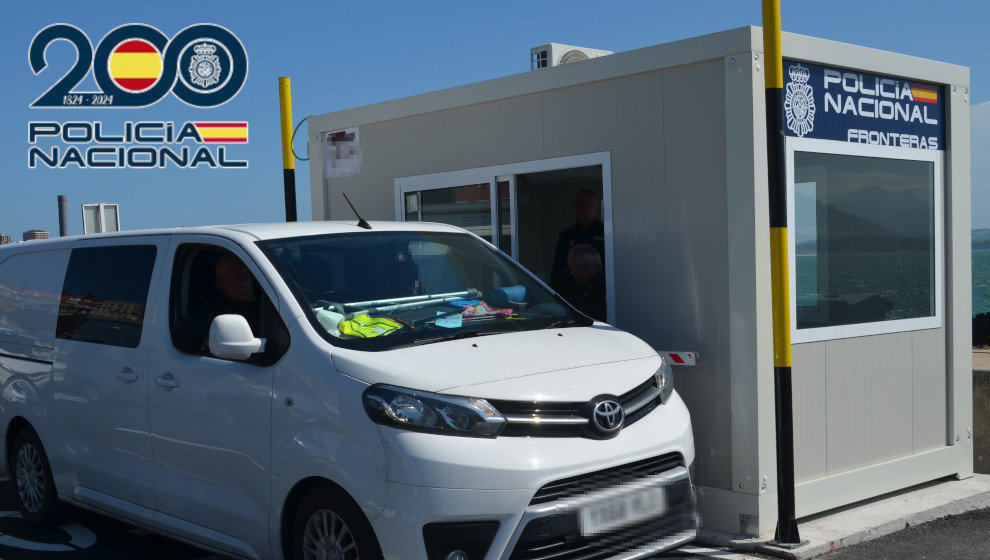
{"x":236,"y":293}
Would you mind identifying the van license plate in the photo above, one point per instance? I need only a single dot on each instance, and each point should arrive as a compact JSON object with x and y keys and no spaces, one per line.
{"x":623,"y":510}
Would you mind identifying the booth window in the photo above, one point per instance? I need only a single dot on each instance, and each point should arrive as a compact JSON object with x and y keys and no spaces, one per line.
{"x":864,"y":239}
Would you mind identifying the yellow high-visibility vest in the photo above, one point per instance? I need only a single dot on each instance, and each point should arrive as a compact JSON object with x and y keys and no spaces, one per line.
{"x":367,"y":327}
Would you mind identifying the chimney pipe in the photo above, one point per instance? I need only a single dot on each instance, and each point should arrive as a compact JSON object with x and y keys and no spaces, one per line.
{"x":63,"y":215}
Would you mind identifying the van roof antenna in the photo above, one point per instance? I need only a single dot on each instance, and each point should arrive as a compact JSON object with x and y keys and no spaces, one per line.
{"x":361,"y":221}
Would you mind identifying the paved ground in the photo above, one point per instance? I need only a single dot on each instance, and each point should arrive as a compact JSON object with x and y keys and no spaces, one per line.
{"x":964,"y":537}
{"x":88,"y":537}
{"x":961,"y":537}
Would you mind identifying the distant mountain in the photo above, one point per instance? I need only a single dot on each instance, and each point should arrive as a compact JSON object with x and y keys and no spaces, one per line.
{"x":854,"y":234}
{"x":806,"y":248}
{"x":981,"y":241}
{"x":897,"y":212}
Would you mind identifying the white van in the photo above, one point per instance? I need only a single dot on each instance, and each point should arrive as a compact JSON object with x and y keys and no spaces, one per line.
{"x":320,"y":390}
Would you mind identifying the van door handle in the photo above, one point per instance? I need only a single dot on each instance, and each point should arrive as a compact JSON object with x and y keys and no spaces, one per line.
{"x":167,"y":381}
{"x":127,"y":376}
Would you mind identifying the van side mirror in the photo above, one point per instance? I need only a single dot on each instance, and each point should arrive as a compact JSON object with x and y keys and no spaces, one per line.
{"x":231,"y":338}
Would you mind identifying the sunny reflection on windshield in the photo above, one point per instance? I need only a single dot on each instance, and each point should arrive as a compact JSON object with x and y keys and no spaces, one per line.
{"x":380,"y":290}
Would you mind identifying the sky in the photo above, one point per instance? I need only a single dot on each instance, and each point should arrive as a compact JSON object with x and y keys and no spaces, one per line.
{"x":347,"y":54}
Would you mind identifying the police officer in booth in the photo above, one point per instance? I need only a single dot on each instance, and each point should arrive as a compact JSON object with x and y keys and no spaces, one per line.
{"x":586,"y":286}
{"x":586,"y":229}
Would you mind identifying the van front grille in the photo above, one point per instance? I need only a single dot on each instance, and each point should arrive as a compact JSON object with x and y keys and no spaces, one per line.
{"x":565,"y":419}
{"x":606,"y":478}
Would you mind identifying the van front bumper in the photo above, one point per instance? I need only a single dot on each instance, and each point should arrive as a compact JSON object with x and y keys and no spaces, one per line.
{"x":435,"y":479}
{"x":524,"y":530}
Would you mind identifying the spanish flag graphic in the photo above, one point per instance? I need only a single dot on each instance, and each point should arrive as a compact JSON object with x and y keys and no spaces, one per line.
{"x":135,"y":65}
{"x":223,"y":132}
{"x":924,"y":93}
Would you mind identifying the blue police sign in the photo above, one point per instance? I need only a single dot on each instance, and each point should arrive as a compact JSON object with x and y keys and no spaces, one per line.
{"x":851,"y":106}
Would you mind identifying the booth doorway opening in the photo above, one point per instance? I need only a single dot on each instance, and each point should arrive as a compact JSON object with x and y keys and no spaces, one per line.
{"x":549,"y":216}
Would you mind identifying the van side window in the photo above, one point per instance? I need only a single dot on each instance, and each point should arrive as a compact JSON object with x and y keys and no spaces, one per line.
{"x":105,"y":293}
{"x":30,"y":288}
{"x":208,"y":281}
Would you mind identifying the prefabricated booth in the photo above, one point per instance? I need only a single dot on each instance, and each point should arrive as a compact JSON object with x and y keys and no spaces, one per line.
{"x":672,"y":139}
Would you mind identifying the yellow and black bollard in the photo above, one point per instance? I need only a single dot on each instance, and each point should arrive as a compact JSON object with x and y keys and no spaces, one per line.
{"x":288,"y":160}
{"x":787,"y":531}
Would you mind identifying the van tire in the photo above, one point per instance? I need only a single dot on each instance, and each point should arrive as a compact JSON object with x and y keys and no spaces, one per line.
{"x":325,"y":504}
{"x":34,"y":486}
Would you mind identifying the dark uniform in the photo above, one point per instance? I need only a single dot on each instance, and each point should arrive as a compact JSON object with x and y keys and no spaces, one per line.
{"x":574,"y":234}
{"x":589,"y":297}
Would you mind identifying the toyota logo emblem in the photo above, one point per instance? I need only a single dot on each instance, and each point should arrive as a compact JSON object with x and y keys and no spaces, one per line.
{"x":607,"y":416}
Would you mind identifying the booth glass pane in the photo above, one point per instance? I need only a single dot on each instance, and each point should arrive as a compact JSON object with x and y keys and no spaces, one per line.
{"x":805,"y":212}
{"x":467,"y":206}
{"x":864,"y":239}
{"x":504,"y":218}
{"x":412,"y":207}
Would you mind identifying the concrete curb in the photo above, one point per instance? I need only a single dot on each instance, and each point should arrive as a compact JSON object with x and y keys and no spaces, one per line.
{"x":842,"y":529}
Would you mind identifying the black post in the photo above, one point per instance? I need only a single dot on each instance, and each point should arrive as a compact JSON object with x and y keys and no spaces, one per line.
{"x":787,"y":530}
{"x":289,"y":180}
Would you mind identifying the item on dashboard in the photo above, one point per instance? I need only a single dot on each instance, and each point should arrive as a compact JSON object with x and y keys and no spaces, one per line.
{"x":363,"y":326}
{"x":483,"y":309}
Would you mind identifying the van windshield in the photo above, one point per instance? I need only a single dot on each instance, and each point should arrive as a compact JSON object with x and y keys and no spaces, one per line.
{"x":383,"y":290}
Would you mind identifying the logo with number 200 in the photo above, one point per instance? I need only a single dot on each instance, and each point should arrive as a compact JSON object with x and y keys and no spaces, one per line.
{"x":136,"y":65}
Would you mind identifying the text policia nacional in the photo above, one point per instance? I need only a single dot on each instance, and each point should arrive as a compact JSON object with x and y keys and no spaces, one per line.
{"x":144,"y":144}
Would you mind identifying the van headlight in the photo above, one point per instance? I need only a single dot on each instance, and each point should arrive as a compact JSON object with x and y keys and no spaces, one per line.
{"x":665,"y":380}
{"x":431,"y":412}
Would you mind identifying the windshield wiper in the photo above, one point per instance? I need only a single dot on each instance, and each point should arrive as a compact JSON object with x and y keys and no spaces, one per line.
{"x":563,"y":323}
{"x":454,"y":336}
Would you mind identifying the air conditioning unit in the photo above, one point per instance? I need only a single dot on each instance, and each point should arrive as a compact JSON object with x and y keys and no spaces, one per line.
{"x":555,"y":54}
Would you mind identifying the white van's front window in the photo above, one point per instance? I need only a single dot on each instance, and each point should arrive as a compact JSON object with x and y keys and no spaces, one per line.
{"x":381,"y":290}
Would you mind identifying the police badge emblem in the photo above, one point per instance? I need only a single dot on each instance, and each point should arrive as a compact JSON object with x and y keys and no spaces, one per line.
{"x":799,"y":105}
{"x":204,"y":66}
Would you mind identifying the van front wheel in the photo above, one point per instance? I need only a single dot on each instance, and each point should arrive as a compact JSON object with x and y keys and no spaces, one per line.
{"x":328,"y":525}
{"x":37,"y":499}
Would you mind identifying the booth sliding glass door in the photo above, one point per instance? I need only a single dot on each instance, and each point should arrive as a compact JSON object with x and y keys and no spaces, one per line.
{"x":466,"y":206}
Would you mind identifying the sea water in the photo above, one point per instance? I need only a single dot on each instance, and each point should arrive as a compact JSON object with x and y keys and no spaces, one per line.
{"x":981,"y":281}
{"x":902,"y":279}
